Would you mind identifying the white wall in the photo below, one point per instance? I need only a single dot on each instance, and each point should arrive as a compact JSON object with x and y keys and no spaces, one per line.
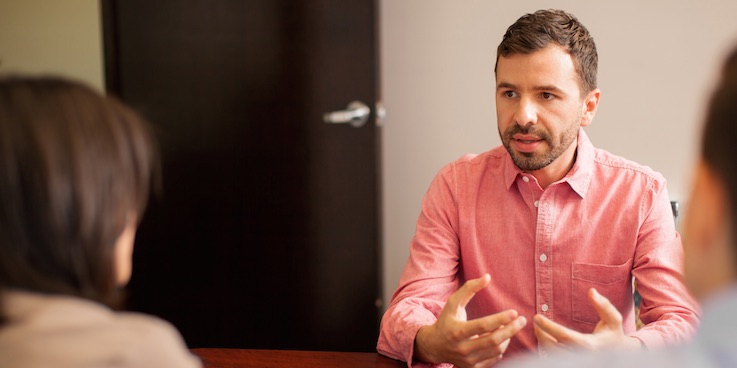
{"x":61,"y":37}
{"x":656,"y":62}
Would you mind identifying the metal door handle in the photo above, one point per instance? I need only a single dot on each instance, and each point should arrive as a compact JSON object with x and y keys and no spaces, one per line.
{"x":356,"y":114}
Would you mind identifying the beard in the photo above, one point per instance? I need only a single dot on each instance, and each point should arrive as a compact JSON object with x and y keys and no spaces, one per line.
{"x":530,"y":161}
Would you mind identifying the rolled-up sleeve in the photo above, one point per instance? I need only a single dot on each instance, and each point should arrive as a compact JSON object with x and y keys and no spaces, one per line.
{"x":429,"y":277}
{"x":669,"y":312}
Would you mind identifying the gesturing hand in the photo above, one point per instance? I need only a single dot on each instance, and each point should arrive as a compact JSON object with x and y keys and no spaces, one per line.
{"x":476,"y":343}
{"x":607,"y":333}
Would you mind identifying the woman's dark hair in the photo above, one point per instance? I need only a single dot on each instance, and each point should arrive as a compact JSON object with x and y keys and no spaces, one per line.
{"x":75,"y":168}
{"x":718,"y":148}
{"x":535,"y":31}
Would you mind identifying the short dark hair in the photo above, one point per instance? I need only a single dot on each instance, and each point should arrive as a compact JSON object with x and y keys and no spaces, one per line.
{"x":535,"y":31}
{"x":74,"y":165}
{"x":718,"y":149}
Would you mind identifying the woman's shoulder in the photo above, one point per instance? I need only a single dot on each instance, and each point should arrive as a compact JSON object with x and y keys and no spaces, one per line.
{"x":73,"y":332}
{"x":153,"y":342}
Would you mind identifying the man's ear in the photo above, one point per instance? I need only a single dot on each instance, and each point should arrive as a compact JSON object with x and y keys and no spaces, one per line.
{"x":590,"y":105}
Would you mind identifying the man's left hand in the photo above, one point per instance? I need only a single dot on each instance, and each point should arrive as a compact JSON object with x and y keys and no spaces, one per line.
{"x":607,"y":333}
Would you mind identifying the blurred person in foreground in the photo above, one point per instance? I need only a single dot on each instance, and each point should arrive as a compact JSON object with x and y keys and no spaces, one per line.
{"x":75,"y":172}
{"x":527,"y":228}
{"x":710,"y":242}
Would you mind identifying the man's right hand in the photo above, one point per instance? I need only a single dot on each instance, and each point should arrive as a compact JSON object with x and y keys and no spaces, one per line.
{"x":476,"y":343}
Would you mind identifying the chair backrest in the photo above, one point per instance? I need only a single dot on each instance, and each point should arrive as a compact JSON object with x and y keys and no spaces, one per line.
{"x":674,"y":208}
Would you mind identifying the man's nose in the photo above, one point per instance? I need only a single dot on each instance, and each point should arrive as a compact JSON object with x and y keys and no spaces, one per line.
{"x":526,"y":113}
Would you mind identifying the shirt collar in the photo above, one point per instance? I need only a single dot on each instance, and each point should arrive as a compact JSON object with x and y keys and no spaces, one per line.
{"x":579,"y":178}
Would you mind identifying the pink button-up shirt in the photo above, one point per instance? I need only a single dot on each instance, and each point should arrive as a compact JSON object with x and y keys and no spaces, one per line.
{"x":607,"y":221}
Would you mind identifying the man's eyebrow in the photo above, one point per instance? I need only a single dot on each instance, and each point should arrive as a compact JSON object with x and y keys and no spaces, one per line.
{"x":548,"y":88}
{"x":551,"y":88}
{"x":502,"y":85}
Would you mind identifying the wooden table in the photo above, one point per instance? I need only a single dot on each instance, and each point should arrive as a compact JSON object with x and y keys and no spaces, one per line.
{"x":247,"y":358}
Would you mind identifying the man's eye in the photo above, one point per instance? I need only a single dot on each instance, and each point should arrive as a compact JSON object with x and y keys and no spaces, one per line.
{"x":547,"y":96}
{"x":509,"y":94}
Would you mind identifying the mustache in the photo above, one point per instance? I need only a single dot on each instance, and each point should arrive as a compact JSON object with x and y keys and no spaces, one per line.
{"x":527,"y":129}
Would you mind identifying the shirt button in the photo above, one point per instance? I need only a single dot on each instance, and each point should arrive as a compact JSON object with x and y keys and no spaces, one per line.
{"x":544,"y":307}
{"x":537,"y":203}
{"x":525,"y":179}
{"x":543,"y":257}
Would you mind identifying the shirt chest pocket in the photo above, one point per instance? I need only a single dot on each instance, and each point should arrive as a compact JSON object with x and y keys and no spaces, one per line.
{"x":611,"y":281}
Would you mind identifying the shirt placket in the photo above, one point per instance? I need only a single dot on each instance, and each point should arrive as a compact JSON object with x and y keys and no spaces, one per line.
{"x":543,"y":255}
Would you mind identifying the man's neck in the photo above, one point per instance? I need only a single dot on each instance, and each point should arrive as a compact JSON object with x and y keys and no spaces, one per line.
{"x":557,"y":169}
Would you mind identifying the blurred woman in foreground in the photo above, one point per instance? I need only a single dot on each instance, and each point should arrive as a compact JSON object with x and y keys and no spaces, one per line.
{"x":75,"y":172}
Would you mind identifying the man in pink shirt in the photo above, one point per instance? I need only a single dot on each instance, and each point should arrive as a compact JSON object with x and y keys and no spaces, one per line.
{"x":543,"y":226}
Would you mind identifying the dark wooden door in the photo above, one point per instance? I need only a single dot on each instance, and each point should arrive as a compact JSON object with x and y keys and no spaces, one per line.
{"x":266,"y":232}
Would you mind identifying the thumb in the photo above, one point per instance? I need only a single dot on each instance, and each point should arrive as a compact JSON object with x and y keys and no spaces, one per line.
{"x":460,"y":298}
{"x":608,"y":313}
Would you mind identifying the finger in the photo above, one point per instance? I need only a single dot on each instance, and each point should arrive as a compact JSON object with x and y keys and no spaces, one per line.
{"x":606,"y":310}
{"x":543,"y":337}
{"x":561,"y":334}
{"x":462,"y":296}
{"x":494,"y":343}
{"x":490,"y":323}
{"x":477,"y":351}
{"x":548,"y":342}
{"x":506,"y":332}
{"x":549,"y":345}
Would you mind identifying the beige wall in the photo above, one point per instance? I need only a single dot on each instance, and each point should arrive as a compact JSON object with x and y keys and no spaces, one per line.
{"x":61,"y":37}
{"x":657,"y":60}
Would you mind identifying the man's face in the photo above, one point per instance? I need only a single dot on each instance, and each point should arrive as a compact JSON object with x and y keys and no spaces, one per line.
{"x":540,"y":108}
